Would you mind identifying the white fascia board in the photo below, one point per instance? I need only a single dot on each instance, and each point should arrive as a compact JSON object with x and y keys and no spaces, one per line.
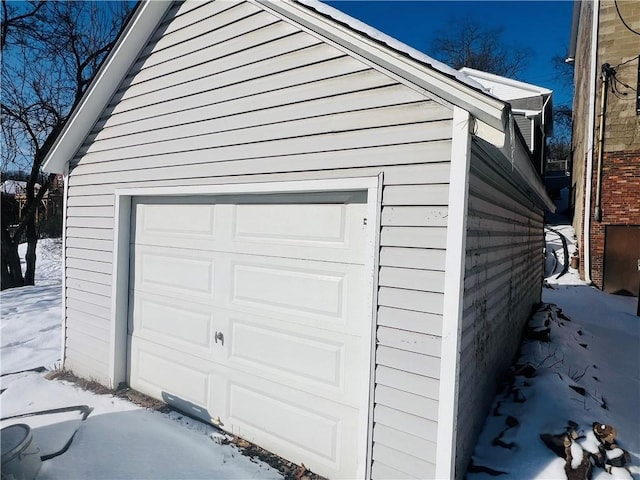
{"x":481,"y":105}
{"x":526,"y":113}
{"x":94,"y":101}
{"x":497,"y":79}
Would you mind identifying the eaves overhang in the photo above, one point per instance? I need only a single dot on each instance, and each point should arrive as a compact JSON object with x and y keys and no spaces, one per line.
{"x":131,"y":41}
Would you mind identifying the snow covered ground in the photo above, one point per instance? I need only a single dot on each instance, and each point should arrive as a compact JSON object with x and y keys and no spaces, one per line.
{"x":31,"y":316}
{"x":117,"y":440}
{"x":588,"y":372}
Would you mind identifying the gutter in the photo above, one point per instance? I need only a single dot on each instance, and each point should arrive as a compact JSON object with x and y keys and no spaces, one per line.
{"x":573,"y":38}
{"x":547,"y":131}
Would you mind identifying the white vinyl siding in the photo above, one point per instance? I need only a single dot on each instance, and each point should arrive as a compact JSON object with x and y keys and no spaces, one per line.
{"x":503,"y":275}
{"x":266,"y":101}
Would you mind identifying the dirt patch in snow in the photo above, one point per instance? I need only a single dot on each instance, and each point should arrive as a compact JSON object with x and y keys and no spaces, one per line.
{"x":289,"y":470}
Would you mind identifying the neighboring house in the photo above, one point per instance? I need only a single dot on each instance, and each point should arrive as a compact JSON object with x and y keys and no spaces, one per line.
{"x":532,"y":108}
{"x":16,"y":187}
{"x":293,"y":226}
{"x":606,"y":143}
{"x":50,"y":205}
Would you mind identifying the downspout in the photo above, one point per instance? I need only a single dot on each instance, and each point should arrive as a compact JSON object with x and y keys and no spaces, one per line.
{"x":586,"y":228}
{"x":606,"y":72}
{"x":543,"y":117}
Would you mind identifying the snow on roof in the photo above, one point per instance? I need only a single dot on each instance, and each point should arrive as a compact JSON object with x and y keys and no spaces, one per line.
{"x":503,"y":87}
{"x":391,"y":42}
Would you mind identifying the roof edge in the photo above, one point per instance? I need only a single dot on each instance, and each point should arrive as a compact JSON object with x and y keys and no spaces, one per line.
{"x":418,"y":71}
{"x":81,"y":120}
{"x":515,"y":160}
{"x":530,"y":87}
{"x":149,"y":14}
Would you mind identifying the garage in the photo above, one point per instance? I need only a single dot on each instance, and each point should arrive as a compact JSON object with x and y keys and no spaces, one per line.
{"x":292,"y":226}
{"x":239,"y":314}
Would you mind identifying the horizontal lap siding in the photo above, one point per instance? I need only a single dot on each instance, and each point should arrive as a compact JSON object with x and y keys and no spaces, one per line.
{"x":263,"y":101}
{"x":503,"y":275}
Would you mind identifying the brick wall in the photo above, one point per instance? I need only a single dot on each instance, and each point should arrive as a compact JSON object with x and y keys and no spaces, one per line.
{"x":620,"y":202}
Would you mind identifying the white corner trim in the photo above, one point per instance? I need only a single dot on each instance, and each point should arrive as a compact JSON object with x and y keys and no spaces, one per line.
{"x":105,"y":83}
{"x":453,"y":294}
{"x":65,"y":199}
{"x":120,"y":291}
{"x":374,"y":225}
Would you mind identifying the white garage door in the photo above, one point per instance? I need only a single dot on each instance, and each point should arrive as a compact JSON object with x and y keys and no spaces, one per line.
{"x":255,"y":311}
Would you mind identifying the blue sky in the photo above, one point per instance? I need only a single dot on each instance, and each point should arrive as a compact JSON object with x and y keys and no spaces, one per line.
{"x":542,"y":26}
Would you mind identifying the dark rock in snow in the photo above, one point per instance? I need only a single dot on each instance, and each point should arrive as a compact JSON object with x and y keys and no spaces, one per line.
{"x":578,"y":389}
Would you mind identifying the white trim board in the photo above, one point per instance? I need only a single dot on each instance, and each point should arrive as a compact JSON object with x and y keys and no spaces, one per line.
{"x":453,"y":294}
{"x":95,"y":99}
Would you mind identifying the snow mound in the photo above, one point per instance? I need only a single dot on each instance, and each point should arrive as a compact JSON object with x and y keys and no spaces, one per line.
{"x":565,"y":380}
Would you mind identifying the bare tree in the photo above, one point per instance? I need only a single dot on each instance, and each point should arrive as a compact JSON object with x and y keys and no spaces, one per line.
{"x":51,"y":52}
{"x":18,"y":19}
{"x":559,"y":146}
{"x":467,"y":43}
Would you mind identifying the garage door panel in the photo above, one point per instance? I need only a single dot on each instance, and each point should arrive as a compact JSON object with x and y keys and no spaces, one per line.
{"x":185,"y":324}
{"x":271,"y":416}
{"x":160,"y":370}
{"x":317,"y":361}
{"x":294,"y":423}
{"x":329,"y":232}
{"x":330,"y":225}
{"x":181,"y":221}
{"x":175,"y":272}
{"x":308,"y":292}
{"x":303,"y":291}
{"x":299,"y":357}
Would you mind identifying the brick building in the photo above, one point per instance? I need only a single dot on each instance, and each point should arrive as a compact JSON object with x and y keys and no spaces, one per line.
{"x":605,"y":193}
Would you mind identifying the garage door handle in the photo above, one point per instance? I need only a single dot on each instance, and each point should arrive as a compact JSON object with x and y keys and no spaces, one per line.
{"x":219,"y":336}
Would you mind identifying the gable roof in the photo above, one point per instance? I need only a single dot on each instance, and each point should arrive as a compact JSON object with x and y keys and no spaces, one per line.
{"x":391,"y":42}
{"x":414,"y":67}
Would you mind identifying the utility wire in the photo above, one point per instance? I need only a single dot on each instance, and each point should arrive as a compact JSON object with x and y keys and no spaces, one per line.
{"x":627,"y":61}
{"x":622,"y":19}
